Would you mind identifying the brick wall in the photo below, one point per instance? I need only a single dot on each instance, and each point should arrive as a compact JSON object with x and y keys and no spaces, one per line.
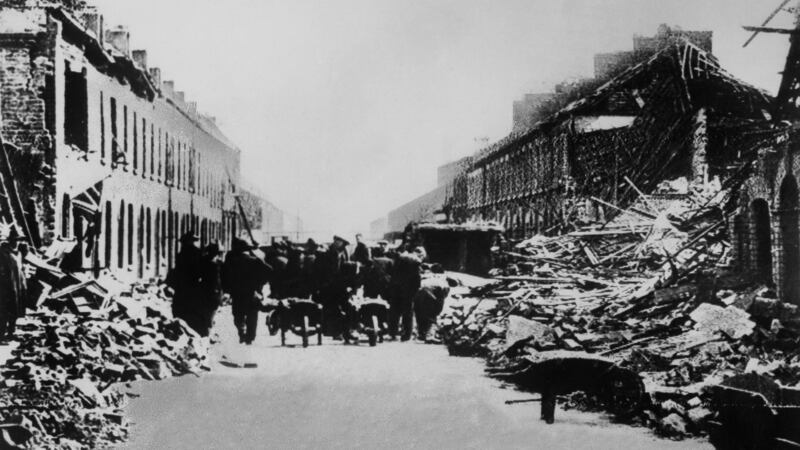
{"x":179,"y":167}
{"x":26,"y":95}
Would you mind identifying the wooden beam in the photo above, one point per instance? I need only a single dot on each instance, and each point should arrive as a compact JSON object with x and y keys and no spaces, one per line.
{"x":772,"y":30}
{"x":774,"y":13}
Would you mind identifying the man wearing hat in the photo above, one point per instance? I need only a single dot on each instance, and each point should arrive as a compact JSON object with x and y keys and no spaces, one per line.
{"x":243,"y":277}
{"x":309,"y":281}
{"x":184,"y":279}
{"x":12,"y":283}
{"x":211,"y":285}
{"x":381,"y":249}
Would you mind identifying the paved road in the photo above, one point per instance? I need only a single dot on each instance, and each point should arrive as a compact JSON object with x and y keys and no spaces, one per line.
{"x":397,"y":395}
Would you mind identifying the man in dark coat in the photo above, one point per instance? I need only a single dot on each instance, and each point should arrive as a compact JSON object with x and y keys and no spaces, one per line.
{"x":406,"y":280}
{"x":243,"y":277}
{"x":12,"y":287}
{"x":184,"y":279}
{"x":308,"y":276}
{"x":211,"y":285}
{"x":333,"y":294}
{"x":378,"y":278}
{"x":381,"y":250}
{"x":428,"y":304}
{"x":361,"y":254}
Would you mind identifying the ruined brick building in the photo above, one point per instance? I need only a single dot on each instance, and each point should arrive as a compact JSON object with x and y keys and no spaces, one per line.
{"x":674,"y":114}
{"x":103,"y":150}
{"x":765,"y":230}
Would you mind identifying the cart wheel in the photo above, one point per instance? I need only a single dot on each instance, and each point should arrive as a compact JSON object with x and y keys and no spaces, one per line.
{"x":373,"y":333}
{"x":283,"y":337}
{"x":623,"y":393}
{"x":305,"y":331}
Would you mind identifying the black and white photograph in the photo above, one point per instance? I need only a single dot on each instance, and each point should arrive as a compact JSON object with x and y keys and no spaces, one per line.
{"x":400,"y":224}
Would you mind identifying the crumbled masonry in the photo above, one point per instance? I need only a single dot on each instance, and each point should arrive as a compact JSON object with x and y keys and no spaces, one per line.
{"x":651,"y":291}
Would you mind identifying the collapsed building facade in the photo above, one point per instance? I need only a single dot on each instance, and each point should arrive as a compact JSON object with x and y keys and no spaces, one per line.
{"x":675,"y":114}
{"x":100,"y":149}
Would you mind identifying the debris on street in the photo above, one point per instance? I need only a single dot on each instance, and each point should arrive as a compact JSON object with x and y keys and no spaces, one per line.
{"x":62,"y":384}
{"x":650,"y":291}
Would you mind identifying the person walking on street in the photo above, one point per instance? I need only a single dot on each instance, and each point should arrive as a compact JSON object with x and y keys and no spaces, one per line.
{"x":12,"y":285}
{"x":211,"y":285}
{"x":406,"y":280}
{"x":243,"y":277}
{"x":184,"y":280}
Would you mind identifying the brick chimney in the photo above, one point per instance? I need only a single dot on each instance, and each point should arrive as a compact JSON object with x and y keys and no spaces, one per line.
{"x":93,"y":21}
{"x":140,"y":58}
{"x":168,"y":88}
{"x":120,"y":38}
{"x":191,"y":108}
{"x":155,"y":76}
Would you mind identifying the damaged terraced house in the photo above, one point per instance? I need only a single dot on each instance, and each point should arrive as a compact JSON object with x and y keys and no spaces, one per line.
{"x":677,"y":114}
{"x":100,"y":150}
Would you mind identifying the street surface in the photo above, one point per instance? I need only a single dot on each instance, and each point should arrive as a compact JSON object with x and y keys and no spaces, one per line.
{"x":396,"y":395}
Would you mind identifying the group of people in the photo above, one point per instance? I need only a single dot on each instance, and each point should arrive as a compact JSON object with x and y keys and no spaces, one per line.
{"x":200,"y":279}
{"x":330,"y":276}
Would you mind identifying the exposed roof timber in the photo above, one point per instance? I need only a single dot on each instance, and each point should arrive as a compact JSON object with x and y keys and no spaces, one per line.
{"x":705,"y":63}
{"x":772,"y":30}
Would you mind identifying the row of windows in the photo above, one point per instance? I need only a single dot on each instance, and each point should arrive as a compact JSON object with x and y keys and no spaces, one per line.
{"x":130,"y":141}
{"x":145,"y":240}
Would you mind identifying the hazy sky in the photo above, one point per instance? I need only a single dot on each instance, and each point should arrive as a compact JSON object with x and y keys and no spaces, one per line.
{"x":343,"y":109}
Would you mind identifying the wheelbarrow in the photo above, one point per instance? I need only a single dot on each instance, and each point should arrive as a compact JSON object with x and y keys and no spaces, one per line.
{"x":754,"y":412}
{"x":373,"y":320}
{"x":561,"y":372}
{"x":302,"y":317}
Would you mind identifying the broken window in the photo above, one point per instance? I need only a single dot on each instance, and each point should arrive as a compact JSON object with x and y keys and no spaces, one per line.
{"x":140,"y":244}
{"x":121,"y":236}
{"x":763,"y":240}
{"x":66,"y":212}
{"x":152,"y":150}
{"x":102,"y":129}
{"x":160,"y":155}
{"x":144,"y":147}
{"x":135,"y":143}
{"x":157,"y":242}
{"x":76,"y":110}
{"x":130,"y":234}
{"x":115,"y":150}
{"x":163,"y":245}
{"x":125,"y":135}
{"x":107,"y":235}
{"x":169,"y":236}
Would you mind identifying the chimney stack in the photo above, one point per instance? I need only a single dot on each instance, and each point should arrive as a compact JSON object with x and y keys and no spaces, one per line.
{"x":93,"y":21}
{"x":155,"y":76}
{"x":191,"y":108}
{"x":168,"y":88}
{"x":140,"y":58}
{"x":120,"y":38}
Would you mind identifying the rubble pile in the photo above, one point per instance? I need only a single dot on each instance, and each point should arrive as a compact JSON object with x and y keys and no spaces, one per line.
{"x":651,"y":290}
{"x":62,"y":383}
